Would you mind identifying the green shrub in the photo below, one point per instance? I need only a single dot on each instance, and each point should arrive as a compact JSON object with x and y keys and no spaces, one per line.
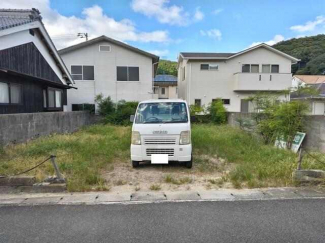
{"x":118,"y":114}
{"x":105,"y":105}
{"x":121,"y":115}
{"x":217,"y":111}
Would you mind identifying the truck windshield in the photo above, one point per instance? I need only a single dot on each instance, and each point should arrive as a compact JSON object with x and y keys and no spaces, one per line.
{"x":161,"y":112}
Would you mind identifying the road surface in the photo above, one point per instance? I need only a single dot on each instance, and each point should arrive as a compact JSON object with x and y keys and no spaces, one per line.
{"x":238,"y":221}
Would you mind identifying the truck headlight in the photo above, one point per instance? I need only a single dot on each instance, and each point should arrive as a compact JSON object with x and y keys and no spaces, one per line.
{"x":136,"y":138}
{"x":185,"y":138}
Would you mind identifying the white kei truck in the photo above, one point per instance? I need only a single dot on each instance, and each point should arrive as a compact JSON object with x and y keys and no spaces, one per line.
{"x":161,"y":133}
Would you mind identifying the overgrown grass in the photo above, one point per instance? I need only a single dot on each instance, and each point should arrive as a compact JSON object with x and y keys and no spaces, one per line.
{"x":81,"y":155}
{"x":84,"y":155}
{"x":257,"y":165}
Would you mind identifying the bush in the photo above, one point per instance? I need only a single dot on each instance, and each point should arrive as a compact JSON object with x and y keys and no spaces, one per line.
{"x":277,"y":119}
{"x":118,"y":114}
{"x":105,"y":105}
{"x":122,"y":113}
{"x":218,"y":112}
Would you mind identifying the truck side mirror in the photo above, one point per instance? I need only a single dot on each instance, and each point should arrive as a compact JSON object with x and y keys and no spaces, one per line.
{"x":132,"y":118}
{"x":193,"y":118}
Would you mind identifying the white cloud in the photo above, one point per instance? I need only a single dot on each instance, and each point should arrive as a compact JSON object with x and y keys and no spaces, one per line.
{"x":166,"y":13}
{"x":94,"y":21}
{"x":310,"y":25}
{"x":276,"y":39}
{"x":213,"y":33}
{"x":161,"y":53}
{"x":217,"y":11}
{"x":198,"y":15}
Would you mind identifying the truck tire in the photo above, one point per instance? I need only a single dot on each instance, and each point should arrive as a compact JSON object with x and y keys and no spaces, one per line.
{"x":135,"y":164}
{"x":189,"y":164}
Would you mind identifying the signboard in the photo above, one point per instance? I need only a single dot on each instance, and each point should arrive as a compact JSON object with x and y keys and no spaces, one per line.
{"x":297,"y":141}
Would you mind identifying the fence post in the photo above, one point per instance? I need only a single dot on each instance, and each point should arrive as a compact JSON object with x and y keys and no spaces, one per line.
{"x":58,"y":174}
{"x":299,"y":159}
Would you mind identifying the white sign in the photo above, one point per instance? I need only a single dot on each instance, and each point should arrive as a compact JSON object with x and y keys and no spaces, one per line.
{"x":296,"y":143}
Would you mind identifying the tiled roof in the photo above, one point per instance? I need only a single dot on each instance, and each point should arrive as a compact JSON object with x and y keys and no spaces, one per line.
{"x":165,"y":78}
{"x":311,"y":79}
{"x":14,"y":17}
{"x":206,"y":54}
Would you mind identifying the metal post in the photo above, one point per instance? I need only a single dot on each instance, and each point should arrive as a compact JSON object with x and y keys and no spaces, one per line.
{"x":58,"y":174}
{"x":299,"y":159}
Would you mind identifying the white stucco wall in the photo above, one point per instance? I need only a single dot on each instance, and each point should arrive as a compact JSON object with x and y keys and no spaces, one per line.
{"x":210,"y":84}
{"x":105,"y":73}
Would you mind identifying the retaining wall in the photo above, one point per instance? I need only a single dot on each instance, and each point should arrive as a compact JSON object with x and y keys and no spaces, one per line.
{"x":18,"y":128}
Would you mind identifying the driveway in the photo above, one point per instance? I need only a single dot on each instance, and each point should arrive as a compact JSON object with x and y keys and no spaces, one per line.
{"x":300,"y":220}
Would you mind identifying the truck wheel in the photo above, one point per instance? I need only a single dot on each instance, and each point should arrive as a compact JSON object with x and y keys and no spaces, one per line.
{"x":189,"y":164}
{"x":135,"y":164}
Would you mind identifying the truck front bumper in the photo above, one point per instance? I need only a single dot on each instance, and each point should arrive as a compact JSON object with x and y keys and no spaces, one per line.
{"x":180,"y":153}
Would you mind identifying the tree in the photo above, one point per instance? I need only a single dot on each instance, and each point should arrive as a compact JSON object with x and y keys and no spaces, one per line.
{"x":167,"y":67}
{"x":310,"y":50}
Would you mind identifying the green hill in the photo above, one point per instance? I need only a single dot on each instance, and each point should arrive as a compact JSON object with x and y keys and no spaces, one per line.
{"x":311,"y":51}
{"x":167,"y":67}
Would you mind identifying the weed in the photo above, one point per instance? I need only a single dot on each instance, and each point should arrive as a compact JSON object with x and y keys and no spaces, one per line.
{"x":184,"y":180}
{"x":155,"y":187}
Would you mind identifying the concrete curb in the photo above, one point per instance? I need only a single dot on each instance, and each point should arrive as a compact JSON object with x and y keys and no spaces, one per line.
{"x":97,"y":198}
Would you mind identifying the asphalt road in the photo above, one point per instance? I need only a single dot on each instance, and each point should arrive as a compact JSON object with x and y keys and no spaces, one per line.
{"x":239,"y":221}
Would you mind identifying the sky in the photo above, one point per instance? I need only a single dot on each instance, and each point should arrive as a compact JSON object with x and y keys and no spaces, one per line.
{"x":167,"y":27}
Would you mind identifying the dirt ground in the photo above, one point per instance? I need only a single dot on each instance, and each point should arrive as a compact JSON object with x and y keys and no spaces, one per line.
{"x":207,"y":173}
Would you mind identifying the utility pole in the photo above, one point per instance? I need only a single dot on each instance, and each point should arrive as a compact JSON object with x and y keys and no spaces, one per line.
{"x":83,"y":35}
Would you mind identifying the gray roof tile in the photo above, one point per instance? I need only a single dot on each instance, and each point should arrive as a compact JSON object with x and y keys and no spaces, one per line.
{"x":14,"y":17}
{"x":206,"y":55}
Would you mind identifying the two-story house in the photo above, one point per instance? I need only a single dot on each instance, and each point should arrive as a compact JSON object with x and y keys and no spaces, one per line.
{"x":233,"y":77}
{"x":109,"y":67}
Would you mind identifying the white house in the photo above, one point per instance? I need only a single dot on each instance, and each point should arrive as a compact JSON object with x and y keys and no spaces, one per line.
{"x":233,"y":77}
{"x":109,"y":67}
{"x":165,"y":86}
{"x":317,"y":102}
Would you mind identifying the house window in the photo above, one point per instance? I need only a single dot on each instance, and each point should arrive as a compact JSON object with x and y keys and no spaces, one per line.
{"x":204,"y":66}
{"x":10,"y":93}
{"x":209,"y":66}
{"x":226,"y":101}
{"x":82,"y":72}
{"x":53,"y":98}
{"x":254,"y":68}
{"x":162,"y":91}
{"x":127,"y":73}
{"x":4,"y":93}
{"x":275,"y":69}
{"x":266,"y":68}
{"x":197,"y":102}
{"x":105,"y":48}
{"x":246,"y":68}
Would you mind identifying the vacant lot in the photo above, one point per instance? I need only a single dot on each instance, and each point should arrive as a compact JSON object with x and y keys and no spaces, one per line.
{"x":97,"y":158}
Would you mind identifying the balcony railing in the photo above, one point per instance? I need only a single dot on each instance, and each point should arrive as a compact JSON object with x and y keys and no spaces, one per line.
{"x":261,"y":81}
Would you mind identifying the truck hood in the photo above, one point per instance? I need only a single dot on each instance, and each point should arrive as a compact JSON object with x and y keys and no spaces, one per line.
{"x":161,"y":129}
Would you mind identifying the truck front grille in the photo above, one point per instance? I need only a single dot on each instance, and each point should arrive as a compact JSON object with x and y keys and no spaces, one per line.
{"x":151,"y":151}
{"x":160,"y":141}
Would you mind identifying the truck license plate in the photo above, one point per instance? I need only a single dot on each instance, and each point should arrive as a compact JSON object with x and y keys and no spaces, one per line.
{"x":159,"y":159}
